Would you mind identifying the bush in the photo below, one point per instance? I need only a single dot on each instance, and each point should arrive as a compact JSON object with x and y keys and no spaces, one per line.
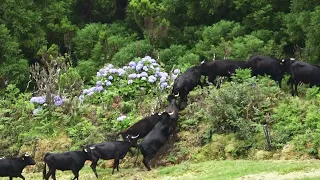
{"x":130,"y":51}
{"x":169,"y":57}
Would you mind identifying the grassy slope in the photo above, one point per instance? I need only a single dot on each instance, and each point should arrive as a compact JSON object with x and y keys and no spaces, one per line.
{"x":205,"y":170}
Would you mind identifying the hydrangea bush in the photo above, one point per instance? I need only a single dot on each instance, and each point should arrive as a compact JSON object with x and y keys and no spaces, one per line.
{"x":141,"y":75}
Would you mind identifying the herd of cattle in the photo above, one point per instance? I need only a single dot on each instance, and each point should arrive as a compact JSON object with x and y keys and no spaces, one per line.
{"x":156,"y":129}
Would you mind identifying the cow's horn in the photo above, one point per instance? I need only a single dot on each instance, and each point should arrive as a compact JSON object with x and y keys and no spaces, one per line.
{"x":85,"y":150}
{"x":202,"y":62}
{"x":176,"y":95}
{"x":127,"y":136}
{"x":135,"y":136}
{"x":92,"y":147}
{"x":292,"y":59}
{"x":26,"y":154}
{"x":171,"y":113}
{"x":282,"y":60}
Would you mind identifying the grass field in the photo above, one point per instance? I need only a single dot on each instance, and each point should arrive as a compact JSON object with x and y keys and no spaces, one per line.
{"x":238,"y":169}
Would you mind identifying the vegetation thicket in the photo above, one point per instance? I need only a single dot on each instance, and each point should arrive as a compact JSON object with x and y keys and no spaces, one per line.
{"x":78,"y":72}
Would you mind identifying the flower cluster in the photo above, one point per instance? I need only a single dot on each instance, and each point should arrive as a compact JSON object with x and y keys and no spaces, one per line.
{"x":144,"y":70}
{"x":57,"y":100}
{"x":121,"y":118}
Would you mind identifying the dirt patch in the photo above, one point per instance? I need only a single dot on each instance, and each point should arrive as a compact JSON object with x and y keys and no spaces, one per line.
{"x":293,"y":175}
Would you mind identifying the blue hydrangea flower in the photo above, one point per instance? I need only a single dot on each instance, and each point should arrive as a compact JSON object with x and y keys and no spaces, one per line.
{"x":99,"y":83}
{"x":155,"y":64}
{"x":145,"y":68}
{"x":138,"y":75}
{"x":158,"y":69}
{"x":125,"y":67}
{"x":163,"y":79}
{"x":81,"y":97}
{"x":110,"y":66}
{"x":99,"y":74}
{"x":152,"y":79}
{"x":90,"y":93}
{"x":39,"y":99}
{"x":110,"y":77}
{"x":108,"y":83}
{"x":121,"y":72}
{"x":36,"y":111}
{"x":143,"y":78}
{"x":130,"y":81}
{"x":176,"y":71}
{"x":132,"y":76}
{"x":139,"y":67}
{"x":163,"y":85}
{"x":121,"y":118}
{"x":98,"y":88}
{"x":132,"y":64}
{"x":143,"y":74}
{"x":174,"y":76}
{"x":85,"y":91}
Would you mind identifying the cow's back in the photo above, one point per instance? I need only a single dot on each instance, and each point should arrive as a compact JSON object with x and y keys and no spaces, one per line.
{"x":305,"y":72}
{"x":65,"y":161}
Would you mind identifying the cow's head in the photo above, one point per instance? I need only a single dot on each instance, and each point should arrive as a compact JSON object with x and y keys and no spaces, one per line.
{"x":27,"y":159}
{"x":286,"y":64}
{"x":88,"y":150}
{"x":132,"y":139}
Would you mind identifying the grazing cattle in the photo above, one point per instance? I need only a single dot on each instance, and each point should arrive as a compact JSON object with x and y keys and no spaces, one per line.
{"x":73,"y":160}
{"x":112,"y":150}
{"x":173,"y":108}
{"x":264,"y":65}
{"x":13,"y":167}
{"x":185,"y":83}
{"x":302,"y":72}
{"x":141,"y":128}
{"x":225,"y":68}
{"x":159,"y":135}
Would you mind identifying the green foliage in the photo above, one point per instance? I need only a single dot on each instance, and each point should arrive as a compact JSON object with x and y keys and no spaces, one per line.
{"x":130,"y":51}
{"x":87,"y":69}
{"x":170,"y":56}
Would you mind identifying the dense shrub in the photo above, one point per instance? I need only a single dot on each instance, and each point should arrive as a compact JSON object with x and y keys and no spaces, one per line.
{"x":130,"y":51}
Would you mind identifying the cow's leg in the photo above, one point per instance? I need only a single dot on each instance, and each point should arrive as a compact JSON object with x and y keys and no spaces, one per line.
{"x":93,"y":167}
{"x":115,"y":164}
{"x":292,"y":91}
{"x":75,"y":173}
{"x":280,"y":83}
{"x":10,"y":178}
{"x":146,"y":164}
{"x":54,"y":174}
{"x":296,"y":88}
{"x":22,"y":177}
{"x":47,"y":176}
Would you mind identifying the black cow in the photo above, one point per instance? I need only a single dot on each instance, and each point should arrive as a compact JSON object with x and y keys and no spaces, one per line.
{"x":302,"y":72}
{"x":112,"y":150}
{"x":13,"y":167}
{"x":73,"y":160}
{"x":159,"y":135}
{"x":265,"y":65}
{"x":173,"y":109}
{"x":141,"y":128}
{"x":225,"y":68}
{"x":185,"y":83}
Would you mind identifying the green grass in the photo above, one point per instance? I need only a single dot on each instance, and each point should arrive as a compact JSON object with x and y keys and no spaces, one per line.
{"x":205,"y":170}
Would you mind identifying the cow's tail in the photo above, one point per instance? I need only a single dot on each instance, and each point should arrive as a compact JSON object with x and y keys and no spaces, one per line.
{"x":138,"y":148}
{"x":45,"y":165}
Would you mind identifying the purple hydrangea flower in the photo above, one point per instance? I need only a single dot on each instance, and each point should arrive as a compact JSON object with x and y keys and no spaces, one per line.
{"x":139,"y":67}
{"x":110,"y":66}
{"x":158,"y":69}
{"x":121,"y":118}
{"x":110,"y":77}
{"x":138,"y":75}
{"x":85,"y":91}
{"x":39,"y":99}
{"x":99,"y":74}
{"x":155,"y":64}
